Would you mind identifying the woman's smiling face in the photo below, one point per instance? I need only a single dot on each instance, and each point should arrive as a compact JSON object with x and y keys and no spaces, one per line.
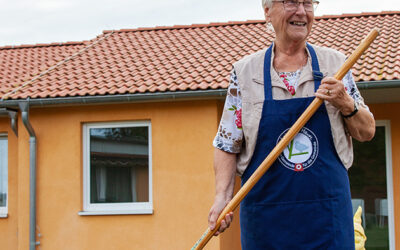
{"x":290,"y":26}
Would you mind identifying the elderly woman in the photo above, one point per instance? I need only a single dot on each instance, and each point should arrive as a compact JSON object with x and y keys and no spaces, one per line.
{"x":303,"y":201}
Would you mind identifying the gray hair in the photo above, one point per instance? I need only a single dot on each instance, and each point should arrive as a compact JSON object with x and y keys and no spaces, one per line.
{"x":266,"y":3}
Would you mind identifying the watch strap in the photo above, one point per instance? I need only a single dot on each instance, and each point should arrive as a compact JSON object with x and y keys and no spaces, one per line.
{"x":352,"y":113}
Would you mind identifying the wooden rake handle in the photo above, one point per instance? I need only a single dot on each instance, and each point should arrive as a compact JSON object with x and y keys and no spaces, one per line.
{"x":270,"y":159}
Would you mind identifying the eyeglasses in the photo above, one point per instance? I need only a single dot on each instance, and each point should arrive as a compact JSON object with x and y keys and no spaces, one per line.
{"x":293,"y":5}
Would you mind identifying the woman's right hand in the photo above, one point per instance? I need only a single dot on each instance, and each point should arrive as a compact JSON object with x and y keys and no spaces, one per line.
{"x":215,"y":211}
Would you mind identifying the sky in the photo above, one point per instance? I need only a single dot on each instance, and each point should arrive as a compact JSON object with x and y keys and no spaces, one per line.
{"x":47,"y":21}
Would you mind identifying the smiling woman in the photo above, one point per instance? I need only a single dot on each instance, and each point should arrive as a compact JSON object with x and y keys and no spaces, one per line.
{"x":306,"y":210}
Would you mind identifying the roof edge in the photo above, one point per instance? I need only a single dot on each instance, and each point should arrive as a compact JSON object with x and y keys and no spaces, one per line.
{"x":187,"y":26}
{"x":128,"y":98}
{"x":362,"y":14}
{"x":232,"y":23}
{"x":39,"y":45}
{"x":158,"y":96}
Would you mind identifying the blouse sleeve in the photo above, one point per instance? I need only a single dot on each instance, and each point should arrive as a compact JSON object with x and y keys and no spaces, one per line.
{"x":229,"y":137}
{"x":352,"y":90}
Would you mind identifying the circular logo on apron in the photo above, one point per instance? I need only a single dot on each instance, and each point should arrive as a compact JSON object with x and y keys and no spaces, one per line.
{"x":301,"y":152}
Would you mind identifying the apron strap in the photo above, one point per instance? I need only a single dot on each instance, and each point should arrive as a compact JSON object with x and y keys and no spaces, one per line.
{"x":315,"y":67}
{"x":267,"y":74}
{"x":317,"y":74}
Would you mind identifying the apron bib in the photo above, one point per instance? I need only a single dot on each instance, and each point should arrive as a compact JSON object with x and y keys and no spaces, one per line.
{"x":303,"y":201}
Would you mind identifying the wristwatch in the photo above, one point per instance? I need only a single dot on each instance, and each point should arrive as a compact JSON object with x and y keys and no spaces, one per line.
{"x":354,"y":111}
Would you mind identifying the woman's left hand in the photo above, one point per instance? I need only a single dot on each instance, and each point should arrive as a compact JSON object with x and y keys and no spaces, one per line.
{"x":361,"y":126}
{"x":333,"y":91}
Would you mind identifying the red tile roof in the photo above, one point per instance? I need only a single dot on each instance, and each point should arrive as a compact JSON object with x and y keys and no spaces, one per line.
{"x":19,"y":64}
{"x":182,"y":58}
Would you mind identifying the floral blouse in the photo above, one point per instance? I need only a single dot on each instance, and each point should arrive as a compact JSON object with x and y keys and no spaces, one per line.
{"x":229,"y":137}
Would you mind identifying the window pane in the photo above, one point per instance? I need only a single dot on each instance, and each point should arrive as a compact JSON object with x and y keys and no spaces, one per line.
{"x":3,"y":170}
{"x":119,"y":165}
{"x":368,"y":188}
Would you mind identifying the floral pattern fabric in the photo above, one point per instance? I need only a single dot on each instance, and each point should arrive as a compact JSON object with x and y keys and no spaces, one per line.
{"x":230,"y":134}
{"x":290,"y":79}
{"x":229,"y":137}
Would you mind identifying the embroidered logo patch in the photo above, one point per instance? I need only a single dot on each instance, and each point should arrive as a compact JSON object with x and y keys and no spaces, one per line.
{"x":301,"y":152}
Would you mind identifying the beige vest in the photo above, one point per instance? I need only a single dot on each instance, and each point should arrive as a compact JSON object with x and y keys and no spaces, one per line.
{"x":250,"y":73}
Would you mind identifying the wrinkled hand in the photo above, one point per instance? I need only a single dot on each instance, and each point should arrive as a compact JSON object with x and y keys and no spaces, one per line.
{"x":333,"y":91}
{"x":215,"y":211}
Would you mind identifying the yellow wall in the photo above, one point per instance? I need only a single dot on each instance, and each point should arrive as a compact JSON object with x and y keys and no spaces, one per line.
{"x":390,"y":112}
{"x":8,"y":226}
{"x":183,"y":182}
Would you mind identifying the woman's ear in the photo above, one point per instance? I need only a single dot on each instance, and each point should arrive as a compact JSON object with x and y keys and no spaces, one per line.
{"x":266,"y":14}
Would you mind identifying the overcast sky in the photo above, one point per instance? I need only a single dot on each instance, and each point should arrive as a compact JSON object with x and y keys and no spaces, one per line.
{"x":46,"y":21}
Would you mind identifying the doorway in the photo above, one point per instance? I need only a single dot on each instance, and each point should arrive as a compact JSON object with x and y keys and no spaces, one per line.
{"x":372,"y":187}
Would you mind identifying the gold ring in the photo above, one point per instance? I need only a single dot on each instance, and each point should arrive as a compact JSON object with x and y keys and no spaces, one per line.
{"x":328,"y":92}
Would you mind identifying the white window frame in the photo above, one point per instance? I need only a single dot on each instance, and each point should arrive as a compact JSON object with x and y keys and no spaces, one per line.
{"x":389,"y":180}
{"x":113,"y":208}
{"x":4,"y":210}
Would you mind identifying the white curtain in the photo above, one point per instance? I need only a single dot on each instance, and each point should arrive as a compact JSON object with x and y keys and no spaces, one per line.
{"x":101,"y":181}
{"x":133,"y":185}
{"x":3,"y":170}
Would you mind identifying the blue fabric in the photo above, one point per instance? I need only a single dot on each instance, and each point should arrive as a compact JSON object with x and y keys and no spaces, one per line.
{"x":303,"y":200}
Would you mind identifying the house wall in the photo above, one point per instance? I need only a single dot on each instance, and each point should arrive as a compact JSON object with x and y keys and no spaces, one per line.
{"x":390,"y":111}
{"x":9,"y":225}
{"x":183,"y":182}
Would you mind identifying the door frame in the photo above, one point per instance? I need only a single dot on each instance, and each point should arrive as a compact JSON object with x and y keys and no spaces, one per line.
{"x":389,"y":180}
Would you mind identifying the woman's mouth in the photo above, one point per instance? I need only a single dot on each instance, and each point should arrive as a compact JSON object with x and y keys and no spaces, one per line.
{"x":296,"y":23}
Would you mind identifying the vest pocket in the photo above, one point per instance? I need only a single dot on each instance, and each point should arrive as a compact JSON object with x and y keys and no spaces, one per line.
{"x":290,"y":225}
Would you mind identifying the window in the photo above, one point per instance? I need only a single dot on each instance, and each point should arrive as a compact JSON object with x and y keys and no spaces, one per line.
{"x":3,"y":175}
{"x":117,"y":168}
{"x":372,"y":187}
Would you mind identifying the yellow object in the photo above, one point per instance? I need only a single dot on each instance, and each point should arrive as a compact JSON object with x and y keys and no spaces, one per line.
{"x":359,"y":235}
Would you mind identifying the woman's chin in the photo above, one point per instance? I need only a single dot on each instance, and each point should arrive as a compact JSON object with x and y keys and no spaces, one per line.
{"x":297,"y":36}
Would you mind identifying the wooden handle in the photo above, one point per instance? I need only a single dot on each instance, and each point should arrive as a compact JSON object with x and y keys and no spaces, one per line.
{"x":266,"y":164}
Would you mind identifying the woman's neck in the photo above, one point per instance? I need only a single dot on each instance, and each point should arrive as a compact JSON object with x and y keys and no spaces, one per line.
{"x":289,"y":58}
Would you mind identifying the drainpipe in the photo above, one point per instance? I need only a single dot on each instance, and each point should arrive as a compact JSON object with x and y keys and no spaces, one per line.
{"x":24,"y":107}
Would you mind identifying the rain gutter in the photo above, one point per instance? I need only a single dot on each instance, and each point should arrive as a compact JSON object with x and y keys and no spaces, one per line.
{"x":24,"y":107}
{"x":158,"y":96}
{"x":385,"y":84}
{"x":129,"y":98}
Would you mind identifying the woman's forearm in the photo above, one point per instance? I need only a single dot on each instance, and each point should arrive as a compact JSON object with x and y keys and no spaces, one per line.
{"x":225,"y":169}
{"x":361,"y":126}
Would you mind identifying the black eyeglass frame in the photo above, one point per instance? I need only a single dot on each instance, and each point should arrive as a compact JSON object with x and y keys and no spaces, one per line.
{"x":314,"y":4}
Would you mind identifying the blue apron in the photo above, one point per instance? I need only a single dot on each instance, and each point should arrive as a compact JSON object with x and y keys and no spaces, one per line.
{"x":303,"y":200}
